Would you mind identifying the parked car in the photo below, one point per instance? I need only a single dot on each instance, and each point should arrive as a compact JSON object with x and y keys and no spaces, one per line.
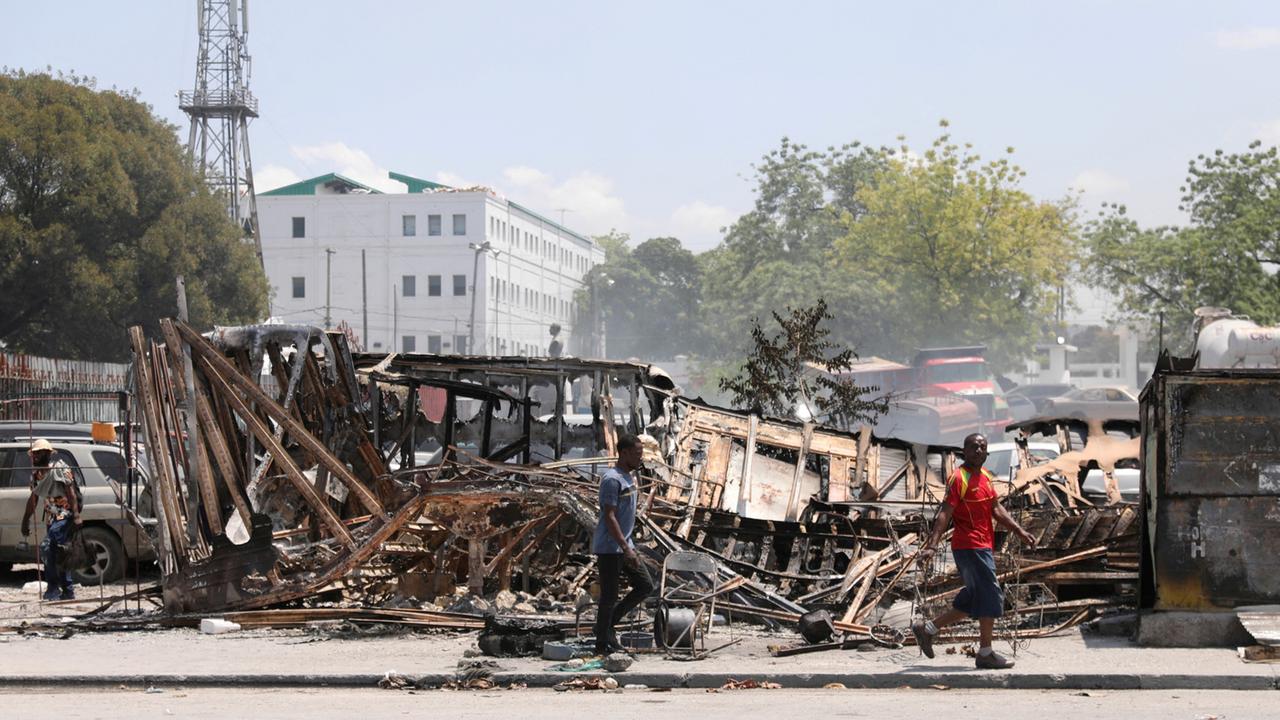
{"x":51,"y":430}
{"x":1002,"y":457}
{"x":112,"y":537}
{"x":1020,"y":408}
{"x":1037,"y":394}
{"x":1128,"y":479}
{"x":1099,"y":403}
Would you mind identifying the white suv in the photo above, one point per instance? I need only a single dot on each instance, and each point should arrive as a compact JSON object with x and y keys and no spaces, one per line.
{"x":113,"y":538}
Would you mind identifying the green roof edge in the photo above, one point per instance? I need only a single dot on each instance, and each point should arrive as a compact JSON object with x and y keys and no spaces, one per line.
{"x":551,"y":222}
{"x":416,"y":185}
{"x":308,"y":187}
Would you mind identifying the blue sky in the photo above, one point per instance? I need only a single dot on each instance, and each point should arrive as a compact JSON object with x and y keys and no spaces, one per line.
{"x":647,"y":117}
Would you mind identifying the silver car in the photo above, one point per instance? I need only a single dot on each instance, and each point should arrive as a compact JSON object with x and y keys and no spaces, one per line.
{"x":1110,"y":402}
{"x":113,"y":538}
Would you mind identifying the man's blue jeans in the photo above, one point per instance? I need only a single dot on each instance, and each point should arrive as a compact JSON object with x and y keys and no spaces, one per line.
{"x":59,"y":580}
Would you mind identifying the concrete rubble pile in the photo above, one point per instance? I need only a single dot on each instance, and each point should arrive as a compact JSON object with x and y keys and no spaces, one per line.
{"x":296,"y":481}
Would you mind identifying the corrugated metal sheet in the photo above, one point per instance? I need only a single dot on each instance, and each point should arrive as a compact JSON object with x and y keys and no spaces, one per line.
{"x":40,"y":388}
{"x":1211,"y":480}
{"x":1262,"y":623}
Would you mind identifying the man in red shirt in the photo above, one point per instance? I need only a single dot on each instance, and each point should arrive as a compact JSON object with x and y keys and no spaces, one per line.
{"x":972,"y":505}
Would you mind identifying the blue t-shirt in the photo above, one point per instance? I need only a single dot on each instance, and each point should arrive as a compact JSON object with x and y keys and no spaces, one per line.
{"x":617,"y":490}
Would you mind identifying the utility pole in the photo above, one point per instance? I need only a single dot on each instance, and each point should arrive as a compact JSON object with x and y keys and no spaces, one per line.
{"x":395,"y":318}
{"x":364,"y":298}
{"x":220,"y":107}
{"x":328,"y":282}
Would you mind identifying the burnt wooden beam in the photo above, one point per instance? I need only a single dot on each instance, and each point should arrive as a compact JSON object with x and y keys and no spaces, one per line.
{"x":282,"y":416}
{"x":263,"y":434}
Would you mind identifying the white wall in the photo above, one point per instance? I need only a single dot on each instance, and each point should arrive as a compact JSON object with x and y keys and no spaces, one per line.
{"x":348,"y":223}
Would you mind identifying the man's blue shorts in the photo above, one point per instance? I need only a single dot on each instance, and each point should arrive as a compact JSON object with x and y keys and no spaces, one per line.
{"x":981,"y":596}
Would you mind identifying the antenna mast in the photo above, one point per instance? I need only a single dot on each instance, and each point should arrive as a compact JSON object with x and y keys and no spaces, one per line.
{"x":220,"y":108}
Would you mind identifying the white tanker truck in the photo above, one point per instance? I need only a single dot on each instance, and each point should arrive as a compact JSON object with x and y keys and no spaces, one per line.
{"x":1225,"y":340}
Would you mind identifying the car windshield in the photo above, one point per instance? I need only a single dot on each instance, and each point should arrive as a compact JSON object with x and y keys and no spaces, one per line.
{"x":958,"y":372}
{"x":998,"y":463}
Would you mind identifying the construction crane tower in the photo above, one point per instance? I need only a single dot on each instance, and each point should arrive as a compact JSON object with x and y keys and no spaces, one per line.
{"x":220,"y":107}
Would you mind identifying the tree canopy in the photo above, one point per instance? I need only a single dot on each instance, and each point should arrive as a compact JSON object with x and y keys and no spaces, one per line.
{"x":955,"y":252}
{"x":100,"y":211}
{"x":904,"y":249}
{"x":793,"y":371}
{"x":649,"y":296}
{"x":1227,"y":255}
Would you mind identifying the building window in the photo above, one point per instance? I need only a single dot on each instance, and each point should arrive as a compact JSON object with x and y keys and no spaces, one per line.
{"x":409,"y":285}
{"x":459,"y":284}
{"x":459,"y":224}
{"x":433,"y":285}
{"x":408,"y":343}
{"x":433,"y":344}
{"x":433,"y":225}
{"x":299,"y":227}
{"x":299,"y":287}
{"x":460,"y":344}
{"x":409,"y":225}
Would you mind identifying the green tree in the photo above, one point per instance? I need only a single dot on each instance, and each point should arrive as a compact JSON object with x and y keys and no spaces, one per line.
{"x":648,"y":297}
{"x":1227,"y":255}
{"x":955,"y":252}
{"x":778,"y":254}
{"x":794,"y":368}
{"x":99,"y":212}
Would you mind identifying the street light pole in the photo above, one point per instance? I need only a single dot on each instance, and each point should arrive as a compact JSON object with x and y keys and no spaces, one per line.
{"x":328,"y":283}
{"x":597,"y":323}
{"x":479,"y":249}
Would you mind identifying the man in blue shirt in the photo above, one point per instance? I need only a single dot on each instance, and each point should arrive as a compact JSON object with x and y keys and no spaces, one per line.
{"x":615,"y":553}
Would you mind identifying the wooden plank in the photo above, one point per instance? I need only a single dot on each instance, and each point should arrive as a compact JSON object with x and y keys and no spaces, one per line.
{"x":223,"y":457}
{"x":838,"y":479}
{"x":860,"y":476}
{"x":297,"y":432}
{"x":202,"y":477}
{"x":851,"y":612}
{"x":793,"y":500}
{"x":142,"y":382}
{"x":744,"y":487}
{"x":168,"y":458}
{"x":278,"y":453}
{"x":340,"y":568}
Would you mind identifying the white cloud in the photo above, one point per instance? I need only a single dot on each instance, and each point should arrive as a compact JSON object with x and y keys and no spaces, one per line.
{"x":1254,"y":38}
{"x":1099,"y":182}
{"x":345,"y":160}
{"x":588,"y":200}
{"x":272,"y":177}
{"x":699,"y":224}
{"x":455,"y":180}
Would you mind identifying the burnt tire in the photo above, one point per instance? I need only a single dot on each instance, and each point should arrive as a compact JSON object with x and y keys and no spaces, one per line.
{"x":108,"y":553}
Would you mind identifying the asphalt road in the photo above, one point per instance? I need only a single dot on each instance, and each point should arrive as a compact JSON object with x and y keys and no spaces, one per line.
{"x":225,"y":703}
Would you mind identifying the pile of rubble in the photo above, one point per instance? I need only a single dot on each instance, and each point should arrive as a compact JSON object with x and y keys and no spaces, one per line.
{"x":295,"y":479}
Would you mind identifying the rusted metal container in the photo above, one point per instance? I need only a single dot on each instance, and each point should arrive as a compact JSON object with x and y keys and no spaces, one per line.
{"x":1211,"y":489}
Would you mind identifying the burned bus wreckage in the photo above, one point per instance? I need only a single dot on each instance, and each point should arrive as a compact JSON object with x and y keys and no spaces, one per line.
{"x":295,"y":480}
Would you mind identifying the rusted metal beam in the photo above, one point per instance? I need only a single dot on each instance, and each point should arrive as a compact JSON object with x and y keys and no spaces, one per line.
{"x":222,"y":455}
{"x":200,"y":482}
{"x":278,"y":453}
{"x":282,"y":416}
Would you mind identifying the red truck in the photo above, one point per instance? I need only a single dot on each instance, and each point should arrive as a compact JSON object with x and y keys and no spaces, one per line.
{"x":950,"y":372}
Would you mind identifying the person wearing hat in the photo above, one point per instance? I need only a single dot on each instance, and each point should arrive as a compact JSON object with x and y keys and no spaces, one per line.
{"x":53,"y":481}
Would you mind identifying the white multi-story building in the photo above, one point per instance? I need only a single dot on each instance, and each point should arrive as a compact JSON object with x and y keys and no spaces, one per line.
{"x":401,"y":268}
